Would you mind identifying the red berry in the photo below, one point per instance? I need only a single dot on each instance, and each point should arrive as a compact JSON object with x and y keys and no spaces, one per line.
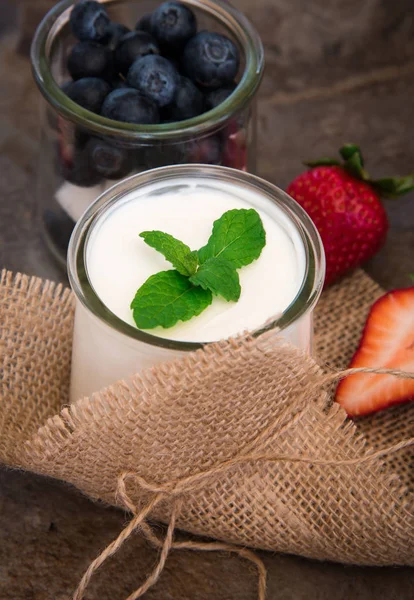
{"x":347,"y":213}
{"x":235,"y":147}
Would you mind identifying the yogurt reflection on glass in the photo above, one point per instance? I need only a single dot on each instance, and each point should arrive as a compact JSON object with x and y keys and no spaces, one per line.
{"x":108,"y":262}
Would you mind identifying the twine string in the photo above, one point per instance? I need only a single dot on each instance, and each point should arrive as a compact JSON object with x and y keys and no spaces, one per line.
{"x":165,"y":546}
{"x":114,"y":546}
{"x":214,"y":547}
{"x":190,"y":484}
{"x":176,"y":489}
{"x":337,"y":375}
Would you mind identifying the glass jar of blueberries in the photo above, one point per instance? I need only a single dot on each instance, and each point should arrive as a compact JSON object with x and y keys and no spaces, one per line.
{"x":136,"y":84}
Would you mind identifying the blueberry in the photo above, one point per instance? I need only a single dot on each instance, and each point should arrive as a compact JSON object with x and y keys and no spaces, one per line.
{"x":89,"y":21}
{"x":88,"y":59}
{"x":156,"y":77}
{"x":188,"y":102}
{"x":161,"y":155}
{"x":130,"y":106}
{"x":108,"y":159}
{"x":211,"y":59}
{"x":116,"y":32}
{"x":174,"y":61}
{"x":132,"y":46}
{"x":119,"y":84}
{"x":206,"y":150}
{"x":173,"y":24}
{"x":216,"y":97}
{"x":65,"y":86}
{"x":81,"y":170}
{"x":89,"y":92}
{"x":144,"y":24}
{"x":81,"y":138}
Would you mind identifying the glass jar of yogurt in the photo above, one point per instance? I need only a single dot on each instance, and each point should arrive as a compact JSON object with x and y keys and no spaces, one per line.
{"x":67,"y":181}
{"x":108,"y":262}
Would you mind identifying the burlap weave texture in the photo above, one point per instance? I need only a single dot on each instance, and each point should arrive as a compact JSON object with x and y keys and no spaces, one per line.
{"x":185,"y":417}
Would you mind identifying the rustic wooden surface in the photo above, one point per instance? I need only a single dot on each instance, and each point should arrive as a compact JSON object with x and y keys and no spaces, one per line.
{"x":336,"y":71}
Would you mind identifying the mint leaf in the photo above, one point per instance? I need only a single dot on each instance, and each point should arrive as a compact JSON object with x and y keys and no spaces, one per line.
{"x":166,"y":298}
{"x":176,"y":252}
{"x":238,"y":237}
{"x":219,"y":276}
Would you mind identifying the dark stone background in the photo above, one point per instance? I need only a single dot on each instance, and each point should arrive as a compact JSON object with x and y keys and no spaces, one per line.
{"x":336,"y":71}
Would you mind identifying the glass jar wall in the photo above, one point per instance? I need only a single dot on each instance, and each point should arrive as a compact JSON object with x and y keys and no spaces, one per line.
{"x":72,"y":173}
{"x":107,"y":348}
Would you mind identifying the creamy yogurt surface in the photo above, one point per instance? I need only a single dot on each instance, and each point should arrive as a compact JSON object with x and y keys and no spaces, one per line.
{"x":118,"y":261}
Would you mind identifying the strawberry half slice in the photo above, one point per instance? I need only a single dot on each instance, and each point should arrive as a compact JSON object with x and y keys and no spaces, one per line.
{"x":387,"y":342}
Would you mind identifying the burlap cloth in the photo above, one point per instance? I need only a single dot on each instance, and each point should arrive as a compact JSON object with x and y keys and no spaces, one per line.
{"x":173,"y":429}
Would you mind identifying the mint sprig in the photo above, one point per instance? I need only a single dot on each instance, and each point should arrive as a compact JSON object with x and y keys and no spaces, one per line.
{"x":237,"y":239}
{"x":166,"y":298}
{"x":176,"y":252}
{"x":219,"y":276}
{"x":238,"y":236}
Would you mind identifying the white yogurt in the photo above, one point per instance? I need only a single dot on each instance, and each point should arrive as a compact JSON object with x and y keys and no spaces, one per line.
{"x":119,"y":262}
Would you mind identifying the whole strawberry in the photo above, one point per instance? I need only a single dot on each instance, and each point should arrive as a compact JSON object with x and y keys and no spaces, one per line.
{"x":344,"y":203}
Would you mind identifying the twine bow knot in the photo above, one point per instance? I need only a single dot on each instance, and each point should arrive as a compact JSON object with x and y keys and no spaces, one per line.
{"x":175,"y":490}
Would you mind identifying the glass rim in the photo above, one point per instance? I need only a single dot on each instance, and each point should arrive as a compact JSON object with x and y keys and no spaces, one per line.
{"x":209,"y":121}
{"x":304,"y":301}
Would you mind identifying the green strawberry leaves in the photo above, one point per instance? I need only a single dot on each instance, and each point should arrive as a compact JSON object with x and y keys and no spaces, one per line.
{"x":349,"y":150}
{"x":354,"y":163}
{"x":389,"y":187}
{"x":166,"y":298}
{"x":394,"y":186}
{"x":219,"y":276}
{"x":176,"y":252}
{"x":237,"y":239}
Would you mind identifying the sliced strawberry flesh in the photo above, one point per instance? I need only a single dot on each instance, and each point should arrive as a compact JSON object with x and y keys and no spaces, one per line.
{"x":387,"y":342}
